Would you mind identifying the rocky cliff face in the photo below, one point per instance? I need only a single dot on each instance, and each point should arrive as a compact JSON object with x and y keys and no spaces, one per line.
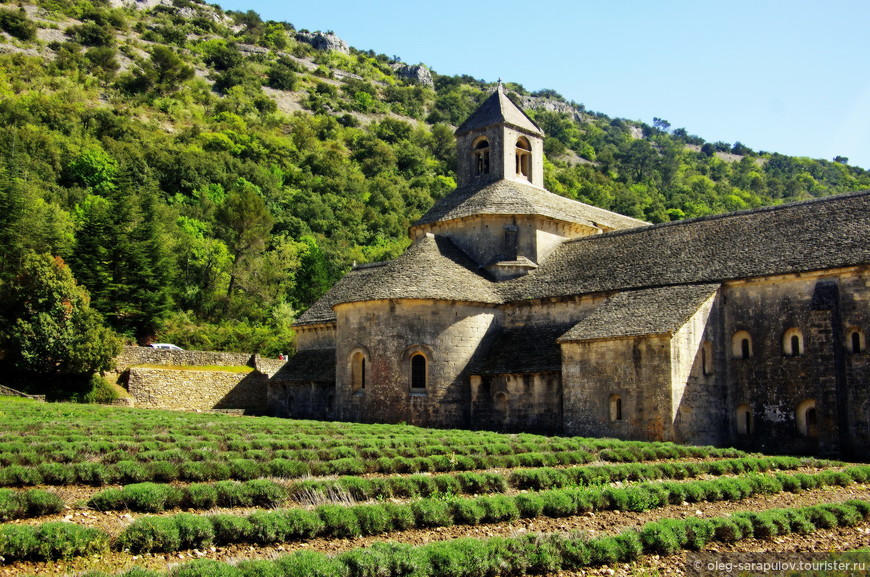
{"x":418,"y":73}
{"x":323,"y":41}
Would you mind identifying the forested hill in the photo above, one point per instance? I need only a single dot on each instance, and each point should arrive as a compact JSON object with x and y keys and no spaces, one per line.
{"x":206,"y":175}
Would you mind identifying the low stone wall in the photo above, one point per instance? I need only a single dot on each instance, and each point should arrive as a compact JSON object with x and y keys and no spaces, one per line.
{"x":9,"y":392}
{"x":132,"y":356}
{"x":192,"y":390}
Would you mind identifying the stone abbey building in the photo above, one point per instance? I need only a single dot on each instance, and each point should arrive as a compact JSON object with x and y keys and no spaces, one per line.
{"x":518,"y":309}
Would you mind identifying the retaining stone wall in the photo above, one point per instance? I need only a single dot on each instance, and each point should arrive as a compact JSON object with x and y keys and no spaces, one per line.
{"x":192,"y":390}
{"x":131,"y":356}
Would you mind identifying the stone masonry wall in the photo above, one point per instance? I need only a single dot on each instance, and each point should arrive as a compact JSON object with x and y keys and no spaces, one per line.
{"x":638,"y":370}
{"x":697,"y":395}
{"x":198,"y":390}
{"x":131,"y":356}
{"x":773,"y":382}
{"x":390,"y":332}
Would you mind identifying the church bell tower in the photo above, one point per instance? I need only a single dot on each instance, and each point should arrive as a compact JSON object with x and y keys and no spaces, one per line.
{"x":498,"y":141}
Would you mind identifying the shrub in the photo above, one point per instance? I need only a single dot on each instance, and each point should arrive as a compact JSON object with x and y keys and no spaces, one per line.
{"x":799,"y":522}
{"x":499,"y":508}
{"x":558,"y":504}
{"x":206,"y":568}
{"x":339,"y":521}
{"x":195,"y":531}
{"x":18,"y":476}
{"x":11,"y":505}
{"x":401,"y":516}
{"x":348,"y":466}
{"x":698,"y":533}
{"x":151,"y":497}
{"x":17,"y":24}
{"x":385,"y":559}
{"x":863,"y":507}
{"x":244,"y":469}
{"x":130,"y":472}
{"x":162,"y":471}
{"x":372,"y":519}
{"x":231,"y":529}
{"x":659,"y":538}
{"x":200,"y":496}
{"x":232,"y":494}
{"x":763,"y":526}
{"x":265,"y":493}
{"x":542,"y":554}
{"x":18,"y":542}
{"x":603,"y":551}
{"x":846,"y":514}
{"x":431,"y":513}
{"x":310,"y":564}
{"x":287,"y":469}
{"x":821,"y":517}
{"x":286,"y":525}
{"x":467,"y":511}
{"x":531,"y":505}
{"x":459,"y":557}
{"x":52,"y":474}
{"x":150,"y":534}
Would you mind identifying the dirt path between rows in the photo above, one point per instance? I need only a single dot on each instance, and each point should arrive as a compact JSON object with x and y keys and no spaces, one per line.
{"x":604,"y":522}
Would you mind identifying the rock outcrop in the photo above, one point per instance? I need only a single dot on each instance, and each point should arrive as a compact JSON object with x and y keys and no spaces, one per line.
{"x":323,"y":41}
{"x":418,"y":73}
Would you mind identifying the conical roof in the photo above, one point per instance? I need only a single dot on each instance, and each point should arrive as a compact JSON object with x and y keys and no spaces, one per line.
{"x":498,"y":109}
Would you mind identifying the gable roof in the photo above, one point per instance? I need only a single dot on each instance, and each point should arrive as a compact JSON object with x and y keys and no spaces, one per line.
{"x":529,"y":349}
{"x":498,"y":109}
{"x":308,"y":365}
{"x":655,"y":311}
{"x":818,"y":234}
{"x":511,"y":197}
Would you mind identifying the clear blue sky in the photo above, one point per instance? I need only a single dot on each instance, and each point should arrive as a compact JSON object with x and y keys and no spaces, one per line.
{"x":784,"y":76}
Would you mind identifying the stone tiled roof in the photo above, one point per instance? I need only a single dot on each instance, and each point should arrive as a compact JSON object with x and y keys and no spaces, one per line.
{"x":497,"y":109}
{"x":813,"y":235}
{"x":530,"y":349}
{"x":654,"y":311}
{"x":309,"y":365}
{"x":512,"y":197}
{"x":350,"y":284}
{"x":432,"y":268}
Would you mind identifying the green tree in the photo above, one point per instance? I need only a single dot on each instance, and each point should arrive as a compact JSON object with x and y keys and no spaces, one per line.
{"x":246,"y":223}
{"x":53,"y":328}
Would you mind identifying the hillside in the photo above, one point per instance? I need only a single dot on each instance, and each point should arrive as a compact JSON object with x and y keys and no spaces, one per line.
{"x":206,"y":175}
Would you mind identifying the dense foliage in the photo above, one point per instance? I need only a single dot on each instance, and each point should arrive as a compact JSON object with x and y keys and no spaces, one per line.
{"x":207,"y":176}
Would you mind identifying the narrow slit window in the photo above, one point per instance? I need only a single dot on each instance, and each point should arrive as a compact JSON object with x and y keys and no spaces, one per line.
{"x":418,"y":372}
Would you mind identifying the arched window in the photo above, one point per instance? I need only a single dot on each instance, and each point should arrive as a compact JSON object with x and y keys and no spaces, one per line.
{"x":480,"y":156}
{"x":500,"y":402}
{"x":805,"y":418}
{"x":615,"y":408}
{"x":741,"y":345}
{"x":793,"y":342}
{"x":855,"y":340}
{"x":418,"y":371}
{"x":524,"y":158}
{"x":358,"y":375}
{"x":744,"y":420}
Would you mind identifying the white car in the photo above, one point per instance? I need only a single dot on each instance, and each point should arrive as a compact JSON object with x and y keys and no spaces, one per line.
{"x":165,"y":346}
